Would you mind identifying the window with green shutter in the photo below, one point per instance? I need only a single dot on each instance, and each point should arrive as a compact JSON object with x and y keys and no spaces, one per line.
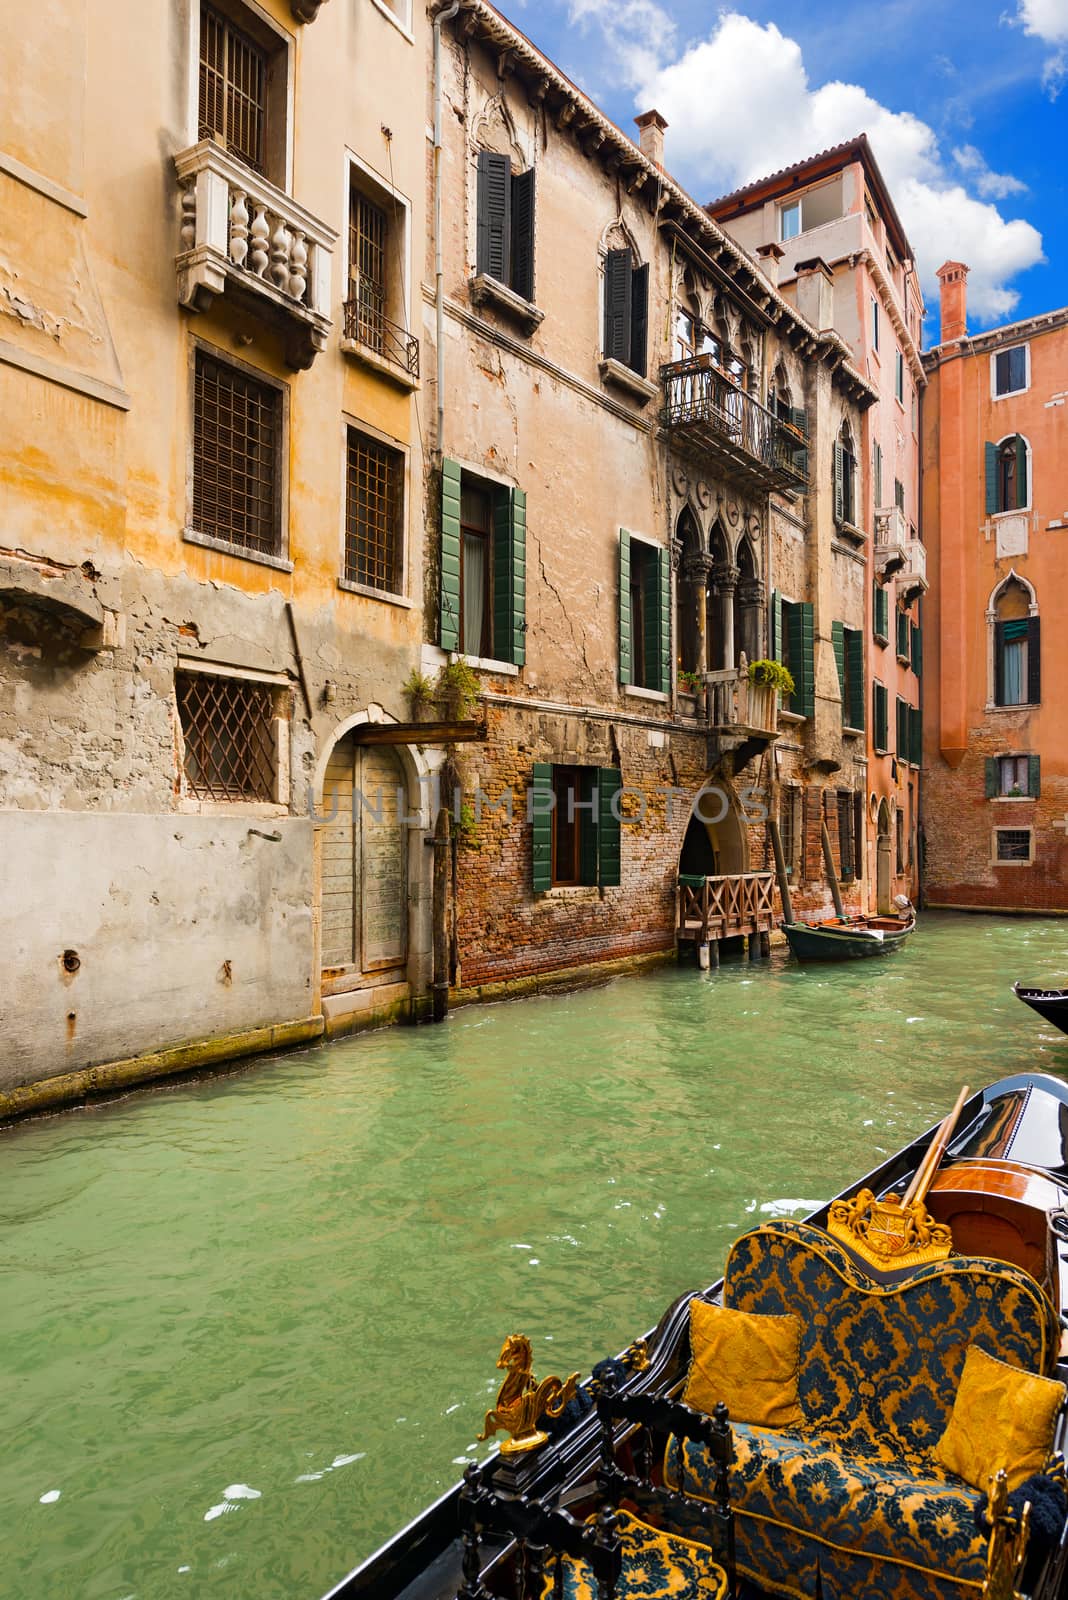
{"x":915,"y":735}
{"x":917,"y":649}
{"x":575,"y":826}
{"x":798,"y":654}
{"x":853,"y":699}
{"x":903,"y":639}
{"x":644,"y":613}
{"x":1013,"y":777}
{"x":1006,"y":475}
{"x":483,"y":567}
{"x":838,"y":642}
{"x":901,"y":746}
{"x":880,"y":717}
{"x":881,"y":614}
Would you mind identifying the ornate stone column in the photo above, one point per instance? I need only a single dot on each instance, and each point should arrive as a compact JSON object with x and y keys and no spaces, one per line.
{"x":724,"y":580}
{"x":695,"y":573}
{"x":751,"y":602}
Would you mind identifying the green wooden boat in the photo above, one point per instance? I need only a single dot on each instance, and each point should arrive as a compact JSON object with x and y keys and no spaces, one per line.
{"x":848,"y":938}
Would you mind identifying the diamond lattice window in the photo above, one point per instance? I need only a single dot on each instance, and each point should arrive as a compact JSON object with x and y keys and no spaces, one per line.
{"x":237,"y":425}
{"x":373,"y":501}
{"x":228,"y":732}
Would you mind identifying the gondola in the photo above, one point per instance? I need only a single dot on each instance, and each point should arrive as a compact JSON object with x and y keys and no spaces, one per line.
{"x":959,"y":1239}
{"x":1051,"y":1004}
{"x":847,"y":938}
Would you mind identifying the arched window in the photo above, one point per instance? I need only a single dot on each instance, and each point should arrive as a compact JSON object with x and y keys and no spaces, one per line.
{"x":689,"y":595}
{"x":846,"y":496}
{"x":780,"y":400}
{"x":1006,"y":475}
{"x":1016,"y":644}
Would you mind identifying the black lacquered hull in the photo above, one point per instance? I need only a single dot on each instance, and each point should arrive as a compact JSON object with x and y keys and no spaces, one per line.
{"x":840,"y":944}
{"x":1051,"y":1004}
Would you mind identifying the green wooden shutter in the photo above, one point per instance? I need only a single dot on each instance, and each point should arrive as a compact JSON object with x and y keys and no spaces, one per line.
{"x":879,"y":715}
{"x":798,"y":418}
{"x":493,"y":238}
{"x":903,"y":635}
{"x":639,"y":320}
{"x":541,"y":784}
{"x":509,"y":575}
{"x":1021,"y":472}
{"x":990,"y":456}
{"x":625,"y":656}
{"x":854,"y":644}
{"x":609,"y":784}
{"x":660,"y":604}
{"x":999,"y":663}
{"x":618,"y":285}
{"x":799,"y":623}
{"x":880,"y":611}
{"x":839,"y":481}
{"x":1034,"y":661}
{"x":990,"y":767}
{"x":1034,"y":776}
{"x":877,"y":475}
{"x":449,"y":600}
{"x":915,"y":738}
{"x":917,"y":649}
{"x":523,"y":233}
{"x":838,"y":641}
{"x":901,"y":747}
{"x":588,"y":825}
{"x":775,"y":625}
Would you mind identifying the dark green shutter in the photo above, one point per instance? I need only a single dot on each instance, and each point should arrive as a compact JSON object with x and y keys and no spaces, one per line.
{"x":1021,"y":473}
{"x":915,"y":737}
{"x":880,"y":609}
{"x":797,"y":417}
{"x":990,"y":767}
{"x":589,"y":831}
{"x":609,"y":784}
{"x":624,"y":607}
{"x":838,"y":641}
{"x":999,"y":663}
{"x":1034,"y":661}
{"x":901,"y":748}
{"x":917,"y":649}
{"x":618,"y":274}
{"x":509,"y":575}
{"x":839,"y":481}
{"x":493,"y":239}
{"x":1034,"y":776}
{"x":877,"y":476}
{"x":449,"y":615}
{"x":903,"y":635}
{"x":541,"y":785}
{"x":775,"y":625}
{"x":799,"y":621}
{"x":639,"y":320}
{"x":879,"y":715}
{"x":657,"y":608}
{"x":990,"y":453}
{"x":854,"y":644}
{"x":523,"y":233}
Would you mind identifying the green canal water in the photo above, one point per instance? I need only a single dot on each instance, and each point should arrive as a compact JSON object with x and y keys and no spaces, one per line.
{"x":247,"y":1326}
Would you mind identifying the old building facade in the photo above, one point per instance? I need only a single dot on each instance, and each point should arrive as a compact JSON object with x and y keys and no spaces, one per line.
{"x":995,"y":442}
{"x":210,"y":519}
{"x":828,"y":228}
{"x":633,"y":499}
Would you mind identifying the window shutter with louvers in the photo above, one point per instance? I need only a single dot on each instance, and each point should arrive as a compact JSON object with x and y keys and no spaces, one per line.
{"x":990,"y":772}
{"x":854,"y":644}
{"x":917,"y":649}
{"x":624,"y":607}
{"x":838,"y":641}
{"x":990,"y":457}
{"x":658,"y":608}
{"x":639,"y":319}
{"x":879,"y":715}
{"x":449,"y":598}
{"x":775,"y":625}
{"x":541,"y":785}
{"x":509,"y":575}
{"x":523,"y":234}
{"x":799,"y":621}
{"x":1034,"y":661}
{"x":618,"y":291}
{"x":1021,"y":473}
{"x":839,"y":481}
{"x":1034,"y":776}
{"x":609,"y":854}
{"x":494,"y":216}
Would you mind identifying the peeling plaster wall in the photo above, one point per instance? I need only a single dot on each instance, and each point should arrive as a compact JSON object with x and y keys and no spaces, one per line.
{"x":190,"y":930}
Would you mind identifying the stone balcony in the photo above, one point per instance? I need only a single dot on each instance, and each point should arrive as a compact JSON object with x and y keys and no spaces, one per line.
{"x":912,"y":578}
{"x":742,"y":716}
{"x":891,"y":537}
{"x":709,"y":418}
{"x":244,"y":238}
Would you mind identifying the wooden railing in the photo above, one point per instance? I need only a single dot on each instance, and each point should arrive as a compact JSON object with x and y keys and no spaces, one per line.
{"x":724,"y":907}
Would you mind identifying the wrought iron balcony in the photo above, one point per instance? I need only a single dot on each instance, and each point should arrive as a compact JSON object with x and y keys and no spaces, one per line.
{"x":242,"y":237}
{"x":373,"y":338}
{"x":710,"y":418}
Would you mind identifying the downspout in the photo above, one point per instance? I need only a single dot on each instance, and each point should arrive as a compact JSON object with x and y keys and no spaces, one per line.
{"x":439,"y":273}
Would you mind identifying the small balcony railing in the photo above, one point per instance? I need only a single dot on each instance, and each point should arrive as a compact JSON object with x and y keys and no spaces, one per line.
{"x":368,"y":331}
{"x":710,"y":417}
{"x":736,"y":704}
{"x":891,"y":538}
{"x":725,"y":906}
{"x":242,"y":236}
{"x":912,"y":579}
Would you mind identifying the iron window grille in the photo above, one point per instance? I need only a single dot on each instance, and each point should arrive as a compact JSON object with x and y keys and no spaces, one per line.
{"x":846,"y":852}
{"x":374,"y":500}
{"x":1013,"y":844}
{"x":228,"y":735}
{"x":366,"y":322}
{"x":237,"y":425}
{"x":233,"y":89}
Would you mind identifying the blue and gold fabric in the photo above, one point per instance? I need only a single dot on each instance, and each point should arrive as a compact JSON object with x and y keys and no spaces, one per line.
{"x":852,"y":1491}
{"x":656,"y":1566}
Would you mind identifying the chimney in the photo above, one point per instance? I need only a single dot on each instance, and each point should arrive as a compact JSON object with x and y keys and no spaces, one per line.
{"x":651,"y":127}
{"x":770,"y":256}
{"x":815,"y":293}
{"x":953,"y":300}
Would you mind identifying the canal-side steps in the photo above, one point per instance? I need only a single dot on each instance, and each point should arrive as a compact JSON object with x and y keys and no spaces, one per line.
{"x":728,"y":906}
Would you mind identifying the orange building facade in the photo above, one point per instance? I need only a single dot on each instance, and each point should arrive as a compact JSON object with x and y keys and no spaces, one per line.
{"x":995,"y":505}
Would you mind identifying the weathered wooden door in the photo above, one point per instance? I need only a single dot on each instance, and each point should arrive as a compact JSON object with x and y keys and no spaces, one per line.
{"x":364,"y":864}
{"x":883,"y":862}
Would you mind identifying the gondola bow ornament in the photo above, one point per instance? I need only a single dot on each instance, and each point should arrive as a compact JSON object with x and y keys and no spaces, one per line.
{"x":522,"y":1400}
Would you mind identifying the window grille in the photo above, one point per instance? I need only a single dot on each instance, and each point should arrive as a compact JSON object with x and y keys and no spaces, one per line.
{"x":228,"y":729}
{"x":367,"y":269}
{"x":233,"y":88}
{"x":236,"y":431}
{"x":845,"y":833}
{"x":788,"y":826}
{"x":1013,"y":844}
{"x":373,"y":502}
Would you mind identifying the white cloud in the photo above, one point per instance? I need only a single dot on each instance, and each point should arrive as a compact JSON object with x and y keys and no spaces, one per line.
{"x":740,"y":105}
{"x":1048,"y":20}
{"x":991,"y":185}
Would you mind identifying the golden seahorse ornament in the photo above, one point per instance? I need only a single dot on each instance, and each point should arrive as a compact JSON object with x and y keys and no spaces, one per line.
{"x":522,"y":1400}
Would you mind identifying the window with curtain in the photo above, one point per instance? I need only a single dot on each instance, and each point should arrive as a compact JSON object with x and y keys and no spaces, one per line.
{"x":1014,"y":663}
{"x":475,"y":533}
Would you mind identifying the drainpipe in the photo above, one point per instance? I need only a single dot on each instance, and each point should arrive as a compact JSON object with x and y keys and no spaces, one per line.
{"x":439,"y":275}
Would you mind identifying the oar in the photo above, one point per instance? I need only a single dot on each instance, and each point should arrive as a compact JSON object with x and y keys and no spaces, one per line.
{"x":828,"y":861}
{"x":927,"y":1168}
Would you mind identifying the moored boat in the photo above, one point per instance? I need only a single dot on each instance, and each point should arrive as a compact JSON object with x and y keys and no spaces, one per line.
{"x":882,"y":1471}
{"x":1051,"y":1004}
{"x":847,"y":938}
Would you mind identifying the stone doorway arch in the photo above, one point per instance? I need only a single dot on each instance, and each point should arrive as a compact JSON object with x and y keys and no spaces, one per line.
{"x":884,"y":861}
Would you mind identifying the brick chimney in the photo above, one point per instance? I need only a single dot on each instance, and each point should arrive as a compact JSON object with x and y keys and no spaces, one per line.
{"x":651,"y":127}
{"x":815,"y":293}
{"x":953,"y":300}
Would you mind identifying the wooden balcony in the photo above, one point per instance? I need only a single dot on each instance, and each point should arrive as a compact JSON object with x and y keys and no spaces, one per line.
{"x":727,"y":907}
{"x":244,"y":238}
{"x":719,"y":425}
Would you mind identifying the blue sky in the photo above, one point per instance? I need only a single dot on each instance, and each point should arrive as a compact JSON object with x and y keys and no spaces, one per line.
{"x":966,"y":106}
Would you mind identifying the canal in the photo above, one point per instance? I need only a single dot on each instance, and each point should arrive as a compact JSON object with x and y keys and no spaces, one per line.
{"x":248,"y":1326}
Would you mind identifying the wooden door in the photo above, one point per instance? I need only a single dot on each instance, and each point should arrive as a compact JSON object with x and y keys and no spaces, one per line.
{"x":364,"y":860}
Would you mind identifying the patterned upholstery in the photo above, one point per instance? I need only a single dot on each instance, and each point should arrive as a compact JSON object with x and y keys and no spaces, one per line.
{"x":656,"y":1566}
{"x":854,"y":1488}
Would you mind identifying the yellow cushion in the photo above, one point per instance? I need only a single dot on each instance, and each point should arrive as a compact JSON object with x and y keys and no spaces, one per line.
{"x":1002,"y":1417}
{"x":747,"y":1361}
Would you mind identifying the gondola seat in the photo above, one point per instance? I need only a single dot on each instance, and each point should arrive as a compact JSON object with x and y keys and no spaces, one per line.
{"x":849,"y":1499}
{"x":655,"y":1565}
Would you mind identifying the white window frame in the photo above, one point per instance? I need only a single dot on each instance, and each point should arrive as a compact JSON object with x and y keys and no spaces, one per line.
{"x":1016,"y":434}
{"x":1009,"y":394}
{"x":279,"y":805}
{"x":998,"y":861}
{"x":286,"y":42}
{"x":790,"y":206}
{"x":402,"y":22}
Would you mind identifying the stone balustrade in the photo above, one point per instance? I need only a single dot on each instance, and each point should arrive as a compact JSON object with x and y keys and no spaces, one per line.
{"x":242,"y":236}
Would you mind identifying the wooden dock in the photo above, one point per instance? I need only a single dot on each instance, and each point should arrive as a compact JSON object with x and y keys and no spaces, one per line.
{"x":735,"y":905}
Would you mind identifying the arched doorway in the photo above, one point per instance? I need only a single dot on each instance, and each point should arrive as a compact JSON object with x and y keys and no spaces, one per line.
{"x":364,"y":860}
{"x":690,"y":591}
{"x":714,"y":848}
{"x":883,"y":861}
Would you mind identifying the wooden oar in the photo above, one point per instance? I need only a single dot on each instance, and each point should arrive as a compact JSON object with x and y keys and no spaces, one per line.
{"x":832,"y":876}
{"x":924,"y":1174}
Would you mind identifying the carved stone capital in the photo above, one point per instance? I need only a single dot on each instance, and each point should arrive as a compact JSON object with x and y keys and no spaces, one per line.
{"x":696,"y":568}
{"x":724,"y":577}
{"x":751,"y":593}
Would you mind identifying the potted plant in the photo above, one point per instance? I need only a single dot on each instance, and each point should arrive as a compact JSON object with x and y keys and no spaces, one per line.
{"x":767,"y":680}
{"x":690,"y":683}
{"x":458,"y":687}
{"x":420,"y":692}
{"x":772,"y":674}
